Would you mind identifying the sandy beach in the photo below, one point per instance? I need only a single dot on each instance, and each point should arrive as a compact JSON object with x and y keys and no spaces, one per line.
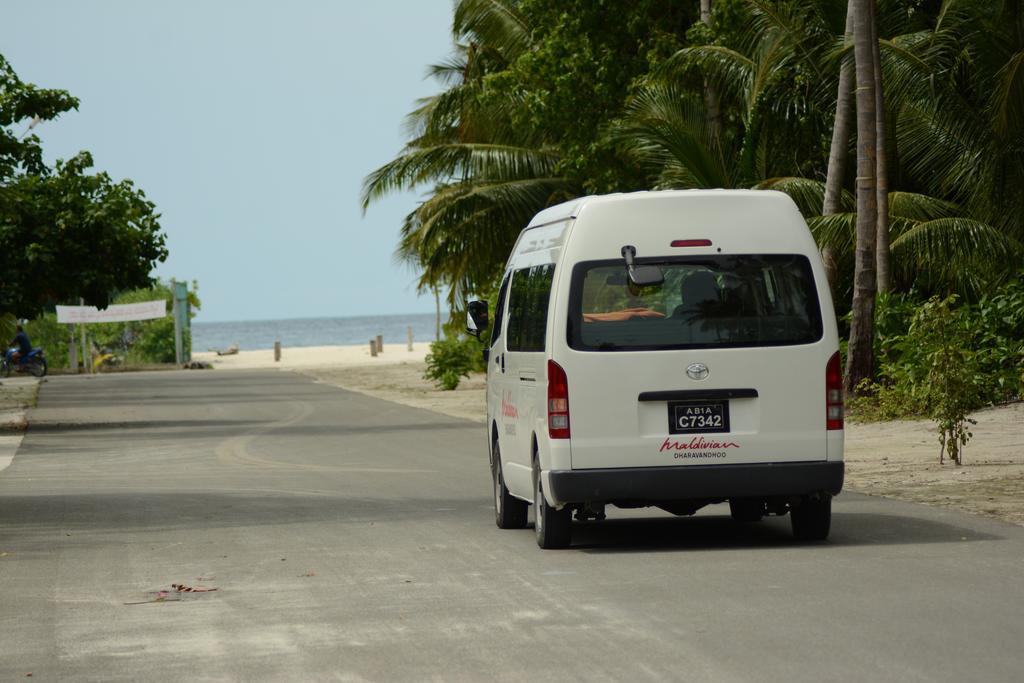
{"x":295,"y":358}
{"x":896,"y":459}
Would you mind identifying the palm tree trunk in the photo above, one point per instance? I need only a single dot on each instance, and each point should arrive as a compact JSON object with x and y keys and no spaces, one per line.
{"x":837,"y":153}
{"x":859,"y":356}
{"x":711,"y":102}
{"x":882,"y":252}
{"x":437,"y":317}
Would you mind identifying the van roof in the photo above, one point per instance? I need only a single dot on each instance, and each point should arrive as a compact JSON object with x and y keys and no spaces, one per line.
{"x":573,"y":207}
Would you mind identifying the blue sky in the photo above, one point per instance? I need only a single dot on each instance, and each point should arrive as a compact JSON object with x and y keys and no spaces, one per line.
{"x":251,"y":126}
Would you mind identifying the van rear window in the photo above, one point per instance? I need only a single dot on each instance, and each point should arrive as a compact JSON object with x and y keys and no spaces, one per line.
{"x":704,"y":302}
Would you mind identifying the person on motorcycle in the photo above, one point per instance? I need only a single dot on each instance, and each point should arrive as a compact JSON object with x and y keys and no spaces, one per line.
{"x":22,"y":344}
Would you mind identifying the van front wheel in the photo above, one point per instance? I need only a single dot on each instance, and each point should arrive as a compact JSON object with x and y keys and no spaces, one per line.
{"x":509,"y":511}
{"x":553,"y":527}
{"x":812,"y":518}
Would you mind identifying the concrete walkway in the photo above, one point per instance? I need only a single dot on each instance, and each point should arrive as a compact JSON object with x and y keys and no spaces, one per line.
{"x":12,"y":421}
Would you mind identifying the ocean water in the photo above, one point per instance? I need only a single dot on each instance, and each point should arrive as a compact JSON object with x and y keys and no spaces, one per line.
{"x":261,"y":334}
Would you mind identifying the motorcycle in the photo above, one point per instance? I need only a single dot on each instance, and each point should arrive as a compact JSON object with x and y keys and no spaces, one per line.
{"x":33,"y":362}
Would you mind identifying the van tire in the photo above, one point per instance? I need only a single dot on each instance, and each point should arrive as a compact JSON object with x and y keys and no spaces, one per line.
{"x":746,"y":510}
{"x":812,"y":518}
{"x":553,"y":527}
{"x":509,"y":511}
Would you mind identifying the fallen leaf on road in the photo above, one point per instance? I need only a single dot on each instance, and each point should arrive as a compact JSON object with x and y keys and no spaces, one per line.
{"x":309,"y":573}
{"x":182,"y":588}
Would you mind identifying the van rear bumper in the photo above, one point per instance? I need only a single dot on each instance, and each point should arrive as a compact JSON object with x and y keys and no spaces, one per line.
{"x":695,"y":482}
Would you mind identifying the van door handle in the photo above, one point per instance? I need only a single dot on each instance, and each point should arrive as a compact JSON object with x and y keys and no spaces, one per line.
{"x":502,"y":357}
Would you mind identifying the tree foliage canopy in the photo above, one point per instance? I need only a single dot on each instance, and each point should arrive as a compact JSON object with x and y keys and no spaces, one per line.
{"x":65,"y":233}
{"x":546,"y":100}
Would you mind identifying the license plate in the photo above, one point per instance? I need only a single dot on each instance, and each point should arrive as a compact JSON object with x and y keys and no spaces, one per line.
{"x":704,"y":417}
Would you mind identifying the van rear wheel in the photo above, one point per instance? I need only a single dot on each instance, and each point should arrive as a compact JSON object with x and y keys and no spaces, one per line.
{"x":553,"y":527}
{"x":746,"y":509}
{"x":509,"y":511}
{"x":812,"y":518}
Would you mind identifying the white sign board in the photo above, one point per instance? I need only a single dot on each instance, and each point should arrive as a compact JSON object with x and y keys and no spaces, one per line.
{"x":118,"y":313}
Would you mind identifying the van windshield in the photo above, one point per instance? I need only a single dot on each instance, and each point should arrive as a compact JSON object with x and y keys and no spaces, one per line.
{"x":708,"y":301}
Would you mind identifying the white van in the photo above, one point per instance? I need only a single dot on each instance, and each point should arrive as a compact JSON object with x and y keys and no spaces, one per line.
{"x":669,"y":349}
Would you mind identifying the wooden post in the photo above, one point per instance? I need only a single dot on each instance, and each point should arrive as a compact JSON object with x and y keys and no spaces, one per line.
{"x":277,"y":351}
{"x":85,"y":349}
{"x":380,"y":343}
{"x":72,"y":350}
{"x":408,"y":331}
{"x":373,"y":348}
{"x":176,"y":311}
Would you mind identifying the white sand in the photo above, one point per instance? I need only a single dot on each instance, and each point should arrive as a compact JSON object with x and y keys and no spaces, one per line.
{"x":300,"y":357}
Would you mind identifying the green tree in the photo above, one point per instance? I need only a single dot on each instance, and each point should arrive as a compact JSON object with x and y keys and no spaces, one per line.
{"x":65,"y":233}
{"x":521,"y":125}
{"x":860,"y":352}
{"x":487,"y":172}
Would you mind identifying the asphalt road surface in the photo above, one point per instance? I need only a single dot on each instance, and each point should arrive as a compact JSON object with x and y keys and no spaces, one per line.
{"x":353,"y":539}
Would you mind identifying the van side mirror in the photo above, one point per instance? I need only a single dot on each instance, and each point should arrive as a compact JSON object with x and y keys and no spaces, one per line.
{"x":476,"y":318}
{"x":641,"y":276}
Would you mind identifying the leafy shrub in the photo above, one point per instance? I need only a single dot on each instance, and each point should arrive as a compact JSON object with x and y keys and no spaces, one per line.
{"x":952,"y":382}
{"x":52,"y":337}
{"x":998,"y":337}
{"x":984,"y":340}
{"x":144,"y":341}
{"x":450,"y":360}
{"x":944,"y":360}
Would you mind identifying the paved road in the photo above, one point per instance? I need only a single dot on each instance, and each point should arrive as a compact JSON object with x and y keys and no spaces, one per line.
{"x":353,"y":539}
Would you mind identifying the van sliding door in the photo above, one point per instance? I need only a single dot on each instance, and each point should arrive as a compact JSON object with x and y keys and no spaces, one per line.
{"x":529,"y":297}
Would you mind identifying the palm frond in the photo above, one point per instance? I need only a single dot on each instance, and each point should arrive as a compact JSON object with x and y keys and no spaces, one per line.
{"x":731,"y":72}
{"x":494,"y":23}
{"x":667,"y":132}
{"x":1008,"y":97}
{"x":808,"y":194}
{"x":837,"y":231}
{"x":920,"y":208}
{"x":794,"y":24}
{"x":945,"y":146}
{"x":443,"y":162}
{"x":452,"y":70}
{"x":955,"y":254}
{"x":465,"y":230}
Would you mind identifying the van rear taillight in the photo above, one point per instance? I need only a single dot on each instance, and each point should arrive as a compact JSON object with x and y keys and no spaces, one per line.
{"x":833,"y":393}
{"x":691,"y":243}
{"x":558,"y":402}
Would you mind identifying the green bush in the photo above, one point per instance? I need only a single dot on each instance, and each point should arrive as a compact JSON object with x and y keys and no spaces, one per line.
{"x":952,"y":381}
{"x":144,"y":341}
{"x":451,"y":359}
{"x":943,"y":360}
{"x":984,"y":340}
{"x":998,"y":338}
{"x":52,"y":337}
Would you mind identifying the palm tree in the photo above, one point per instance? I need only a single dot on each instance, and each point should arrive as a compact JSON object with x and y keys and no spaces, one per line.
{"x":485,"y":174}
{"x":859,"y":356}
{"x":835,"y":177}
{"x":775,"y":84}
{"x":958,"y":91}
